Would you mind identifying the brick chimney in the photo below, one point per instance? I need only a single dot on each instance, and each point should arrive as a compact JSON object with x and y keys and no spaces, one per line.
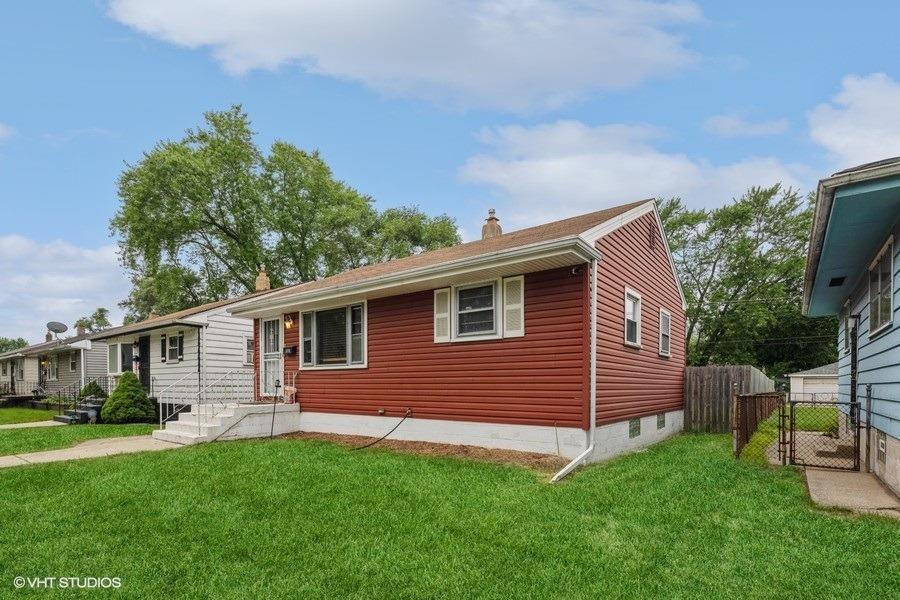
{"x":262,"y":280}
{"x":79,"y":329}
{"x":491,"y":227}
{"x":48,"y":337}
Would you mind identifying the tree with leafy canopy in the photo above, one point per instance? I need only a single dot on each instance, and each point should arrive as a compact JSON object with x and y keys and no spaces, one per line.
{"x":7,"y":344}
{"x":96,"y":322}
{"x":741,"y":267}
{"x":198,"y":216}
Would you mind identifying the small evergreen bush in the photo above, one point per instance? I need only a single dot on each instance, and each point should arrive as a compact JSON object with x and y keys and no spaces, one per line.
{"x":91,"y":389}
{"x":128,"y":403}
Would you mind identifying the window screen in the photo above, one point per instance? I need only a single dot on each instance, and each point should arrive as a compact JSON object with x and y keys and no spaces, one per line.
{"x":331,"y":336}
{"x":632,"y":318}
{"x":475,"y":310}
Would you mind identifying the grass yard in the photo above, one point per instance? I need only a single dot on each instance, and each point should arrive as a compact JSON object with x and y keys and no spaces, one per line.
{"x":9,"y":416}
{"x":305,"y":518}
{"x":808,"y":418}
{"x":19,"y":441}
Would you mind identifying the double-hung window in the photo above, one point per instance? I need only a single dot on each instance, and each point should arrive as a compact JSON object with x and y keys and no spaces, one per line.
{"x":53,"y":367}
{"x":881,"y":289}
{"x":335,"y":337}
{"x":20,"y":369}
{"x":73,"y":361}
{"x":248,"y":349}
{"x":120,"y":358}
{"x":4,"y":372}
{"x":665,"y":332}
{"x":632,"y":318}
{"x":476,"y":310}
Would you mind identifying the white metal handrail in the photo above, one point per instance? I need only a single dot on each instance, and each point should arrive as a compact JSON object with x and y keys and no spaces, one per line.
{"x":175,"y":397}
{"x":227,"y":388}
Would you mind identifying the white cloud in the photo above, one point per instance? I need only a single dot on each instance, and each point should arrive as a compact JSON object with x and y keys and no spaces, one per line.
{"x":511,"y":54}
{"x":861,"y":123}
{"x":5,"y":131}
{"x":55,"y":281}
{"x":738,"y":126}
{"x":554,"y":170}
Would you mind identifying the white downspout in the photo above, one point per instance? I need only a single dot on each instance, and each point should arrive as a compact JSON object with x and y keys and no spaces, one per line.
{"x":578,"y":460}
{"x":82,"y":368}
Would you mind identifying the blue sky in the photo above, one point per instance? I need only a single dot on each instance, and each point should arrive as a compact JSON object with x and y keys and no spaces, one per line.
{"x":541,"y":109}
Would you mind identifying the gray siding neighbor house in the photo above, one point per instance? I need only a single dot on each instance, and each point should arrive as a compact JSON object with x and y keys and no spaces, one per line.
{"x":852,"y":272}
{"x":54,"y":367}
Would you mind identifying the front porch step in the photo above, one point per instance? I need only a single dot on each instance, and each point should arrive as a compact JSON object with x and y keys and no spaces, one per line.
{"x":206,"y":423}
{"x":67,"y":419}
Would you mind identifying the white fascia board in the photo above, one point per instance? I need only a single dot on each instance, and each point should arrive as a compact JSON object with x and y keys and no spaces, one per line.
{"x":598,"y":231}
{"x":491,"y":260}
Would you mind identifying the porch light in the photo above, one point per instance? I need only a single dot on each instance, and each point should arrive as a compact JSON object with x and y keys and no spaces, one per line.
{"x":288,"y":321}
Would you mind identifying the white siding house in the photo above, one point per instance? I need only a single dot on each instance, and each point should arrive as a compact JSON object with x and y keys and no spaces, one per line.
{"x":818,"y":384}
{"x":54,"y":367}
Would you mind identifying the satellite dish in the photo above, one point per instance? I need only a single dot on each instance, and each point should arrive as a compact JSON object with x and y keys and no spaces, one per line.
{"x":57,"y":327}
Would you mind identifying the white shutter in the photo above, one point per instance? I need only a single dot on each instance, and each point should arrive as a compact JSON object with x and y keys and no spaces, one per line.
{"x":442,"y":315}
{"x":514,"y":306}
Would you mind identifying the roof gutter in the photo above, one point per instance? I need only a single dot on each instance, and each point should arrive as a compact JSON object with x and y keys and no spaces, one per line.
{"x":498,"y":258}
{"x":824,"y":202}
{"x":178,"y":322}
{"x":578,"y":460}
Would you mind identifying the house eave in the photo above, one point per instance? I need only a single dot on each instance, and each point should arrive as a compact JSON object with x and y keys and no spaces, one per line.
{"x":825,"y":193}
{"x":150,"y":327}
{"x":568,"y":250}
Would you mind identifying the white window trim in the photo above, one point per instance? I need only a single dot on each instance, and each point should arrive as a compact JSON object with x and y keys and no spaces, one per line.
{"x":178,"y":335}
{"x":118,"y":355}
{"x":249,"y":338}
{"x":663,"y":311}
{"x":454,"y":312}
{"x":50,"y":359}
{"x":887,"y":247}
{"x":640,"y":303}
{"x":365,"y":338}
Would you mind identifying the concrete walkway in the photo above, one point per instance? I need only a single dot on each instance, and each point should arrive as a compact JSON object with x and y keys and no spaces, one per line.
{"x":32,"y":424}
{"x":90,"y":449}
{"x":857,"y":492}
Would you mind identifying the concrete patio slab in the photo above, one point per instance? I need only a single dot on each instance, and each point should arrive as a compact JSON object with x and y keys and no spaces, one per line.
{"x":32,"y":424}
{"x":856,"y":492}
{"x":90,"y":449}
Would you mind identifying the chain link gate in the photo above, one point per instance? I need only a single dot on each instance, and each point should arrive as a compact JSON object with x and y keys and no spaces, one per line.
{"x":819,"y":433}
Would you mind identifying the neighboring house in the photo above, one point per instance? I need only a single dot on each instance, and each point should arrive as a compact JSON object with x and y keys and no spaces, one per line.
{"x":54,"y":367}
{"x":851,"y":271}
{"x":818,"y":384}
{"x":563,"y":338}
{"x":180,"y":354}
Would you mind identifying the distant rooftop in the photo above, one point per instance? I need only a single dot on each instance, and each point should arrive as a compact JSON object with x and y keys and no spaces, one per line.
{"x":831,"y":369}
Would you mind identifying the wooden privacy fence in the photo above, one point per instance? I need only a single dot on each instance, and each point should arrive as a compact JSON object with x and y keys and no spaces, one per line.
{"x":708,"y":394}
{"x":749,"y":411}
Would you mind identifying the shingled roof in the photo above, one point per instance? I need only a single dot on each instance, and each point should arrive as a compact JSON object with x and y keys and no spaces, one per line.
{"x":557,"y":230}
{"x":831,"y":369}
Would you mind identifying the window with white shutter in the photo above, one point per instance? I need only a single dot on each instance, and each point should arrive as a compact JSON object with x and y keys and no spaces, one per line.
{"x":514,"y":306}
{"x":442,"y":315}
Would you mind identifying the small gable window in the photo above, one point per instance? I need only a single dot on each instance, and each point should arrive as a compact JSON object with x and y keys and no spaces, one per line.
{"x":880,"y":289}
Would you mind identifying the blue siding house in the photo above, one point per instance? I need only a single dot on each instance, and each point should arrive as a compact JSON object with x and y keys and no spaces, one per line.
{"x":852,"y":271}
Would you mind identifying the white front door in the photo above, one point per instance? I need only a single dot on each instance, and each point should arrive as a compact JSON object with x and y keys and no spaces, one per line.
{"x":271,"y":357}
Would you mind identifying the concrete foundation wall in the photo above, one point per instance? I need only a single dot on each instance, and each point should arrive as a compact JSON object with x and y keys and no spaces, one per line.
{"x":613,"y":439}
{"x":889,"y":470}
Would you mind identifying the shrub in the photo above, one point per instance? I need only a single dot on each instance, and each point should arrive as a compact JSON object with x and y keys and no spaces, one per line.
{"x":91,"y":389}
{"x":128,"y":403}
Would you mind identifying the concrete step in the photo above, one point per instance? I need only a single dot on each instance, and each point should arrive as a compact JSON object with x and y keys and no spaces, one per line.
{"x":68,"y":420}
{"x":187,"y":427}
{"x":179,"y":437}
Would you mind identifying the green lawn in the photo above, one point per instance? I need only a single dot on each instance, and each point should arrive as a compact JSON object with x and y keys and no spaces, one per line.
{"x":808,"y":418}
{"x":304,"y":518}
{"x":19,"y":441}
{"x":24,"y":415}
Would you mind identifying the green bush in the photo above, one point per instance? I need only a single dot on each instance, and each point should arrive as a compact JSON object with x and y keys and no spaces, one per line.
{"x":128,"y":403}
{"x":91,"y":389}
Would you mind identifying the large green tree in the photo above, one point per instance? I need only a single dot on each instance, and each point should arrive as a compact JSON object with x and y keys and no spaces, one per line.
{"x":741,"y":266}
{"x":198,"y":216}
{"x":7,"y":344}
{"x":97,"y":321}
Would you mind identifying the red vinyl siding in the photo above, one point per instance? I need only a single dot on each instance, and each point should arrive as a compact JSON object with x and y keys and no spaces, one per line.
{"x":634,"y":382}
{"x":538,"y":379}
